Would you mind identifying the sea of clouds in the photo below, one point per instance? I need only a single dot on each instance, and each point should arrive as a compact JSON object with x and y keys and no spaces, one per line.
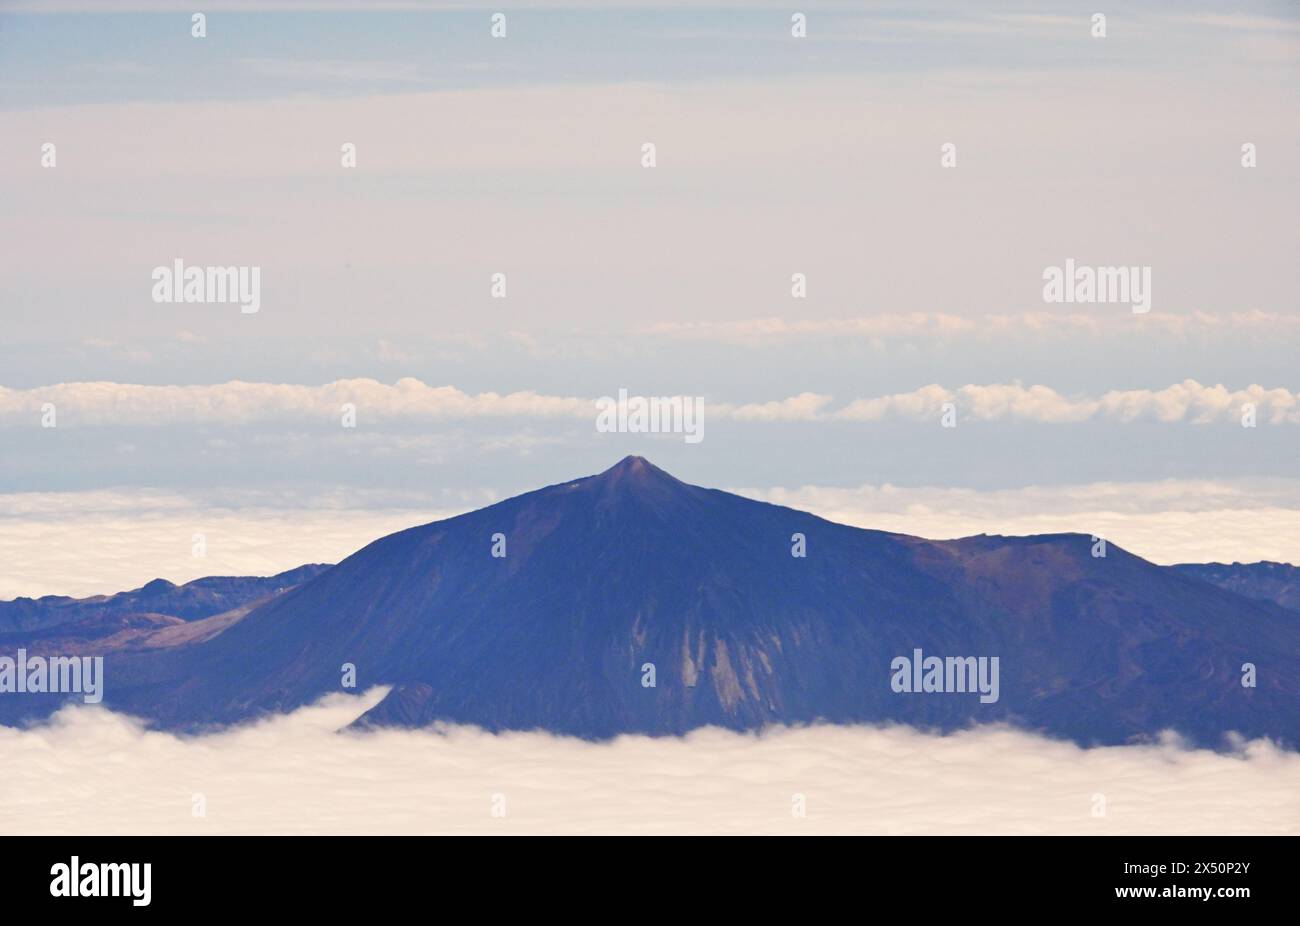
{"x":92,"y":771}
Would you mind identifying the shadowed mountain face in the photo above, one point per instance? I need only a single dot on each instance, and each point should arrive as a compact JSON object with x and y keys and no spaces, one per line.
{"x":604,"y":575}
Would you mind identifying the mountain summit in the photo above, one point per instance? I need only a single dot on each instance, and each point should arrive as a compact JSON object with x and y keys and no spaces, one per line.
{"x":634,"y":478}
{"x":632,"y":602}
{"x":636,"y":470}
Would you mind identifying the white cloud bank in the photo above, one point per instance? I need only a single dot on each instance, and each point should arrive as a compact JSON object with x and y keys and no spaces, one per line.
{"x":236,"y":403}
{"x":240,"y":403}
{"x":774,"y":330}
{"x":100,"y":542}
{"x":93,"y":772}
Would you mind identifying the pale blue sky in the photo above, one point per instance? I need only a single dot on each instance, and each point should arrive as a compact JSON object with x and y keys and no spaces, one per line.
{"x":775,"y":155}
{"x":93,"y":54}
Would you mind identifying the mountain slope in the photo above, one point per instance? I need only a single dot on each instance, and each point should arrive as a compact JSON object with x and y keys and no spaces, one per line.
{"x":605,"y":574}
{"x":191,"y":601}
{"x":1276,"y":582}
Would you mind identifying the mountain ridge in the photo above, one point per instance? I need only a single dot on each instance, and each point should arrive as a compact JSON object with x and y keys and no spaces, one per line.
{"x":193,"y":600}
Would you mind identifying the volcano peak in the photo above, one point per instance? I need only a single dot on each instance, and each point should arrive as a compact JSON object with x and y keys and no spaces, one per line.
{"x":636,"y":471}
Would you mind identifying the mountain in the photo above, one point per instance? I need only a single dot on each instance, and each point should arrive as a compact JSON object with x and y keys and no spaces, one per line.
{"x":112,"y":634}
{"x":1276,"y":582}
{"x":189,"y":602}
{"x":605,"y":574}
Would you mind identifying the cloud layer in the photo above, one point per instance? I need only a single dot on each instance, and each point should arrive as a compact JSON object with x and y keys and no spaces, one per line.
{"x":88,"y":543}
{"x":240,"y":403}
{"x":943,"y":325}
{"x":294,"y":774}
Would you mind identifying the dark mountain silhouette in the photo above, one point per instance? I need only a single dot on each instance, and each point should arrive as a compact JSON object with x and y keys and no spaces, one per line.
{"x":606,"y":574}
{"x":191,"y":601}
{"x":1276,"y":582}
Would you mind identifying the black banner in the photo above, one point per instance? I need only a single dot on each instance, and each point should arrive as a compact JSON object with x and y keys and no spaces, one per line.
{"x":927,"y":875}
